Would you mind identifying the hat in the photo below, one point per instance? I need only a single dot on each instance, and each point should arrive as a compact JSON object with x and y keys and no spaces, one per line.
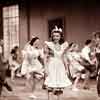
{"x":56,"y":29}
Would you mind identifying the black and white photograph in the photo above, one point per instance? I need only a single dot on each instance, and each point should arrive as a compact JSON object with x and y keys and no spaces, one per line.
{"x":49,"y":50}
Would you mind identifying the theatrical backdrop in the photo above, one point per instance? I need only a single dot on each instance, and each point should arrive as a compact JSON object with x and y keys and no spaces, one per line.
{"x":20,"y":19}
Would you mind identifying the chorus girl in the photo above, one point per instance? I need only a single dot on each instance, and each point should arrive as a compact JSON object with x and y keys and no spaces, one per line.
{"x":56,"y":78}
{"x":75,"y":68}
{"x":31,"y":66}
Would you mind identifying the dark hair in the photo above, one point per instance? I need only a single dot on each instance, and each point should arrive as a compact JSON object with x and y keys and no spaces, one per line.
{"x":33,"y":40}
{"x":16,"y":47}
{"x":13,"y":51}
{"x":88,"y":42}
{"x":97,"y":34}
{"x":61,"y":38}
{"x":70,"y":45}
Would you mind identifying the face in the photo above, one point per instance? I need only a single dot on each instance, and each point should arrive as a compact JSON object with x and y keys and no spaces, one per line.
{"x":56,"y":37}
{"x":36,"y":43}
{"x":18,"y":50}
{"x":96,"y":38}
{"x":76,"y":48}
{"x":90,"y":45}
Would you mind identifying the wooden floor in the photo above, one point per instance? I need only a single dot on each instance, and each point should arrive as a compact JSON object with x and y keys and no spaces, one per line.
{"x":20,"y":92}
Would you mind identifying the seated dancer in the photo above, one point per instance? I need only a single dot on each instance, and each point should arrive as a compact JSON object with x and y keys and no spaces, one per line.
{"x":15,"y":61}
{"x":55,"y":70}
{"x":31,"y":66}
{"x":3,"y":68}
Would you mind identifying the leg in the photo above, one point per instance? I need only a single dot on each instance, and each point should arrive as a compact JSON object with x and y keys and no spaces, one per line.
{"x":58,"y":97}
{"x":32,"y":86}
{"x":0,"y":89}
{"x":98,"y":85}
{"x":75,"y":87}
{"x":12,"y":74}
{"x":86,"y":80}
{"x":48,"y":95}
{"x":58,"y":93}
{"x":33,"y":83}
{"x":98,"y":80}
{"x":27,"y":83}
{"x":9,"y":88}
{"x":43,"y":84}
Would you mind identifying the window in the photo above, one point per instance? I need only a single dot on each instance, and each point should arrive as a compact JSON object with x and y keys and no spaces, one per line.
{"x":10,"y":28}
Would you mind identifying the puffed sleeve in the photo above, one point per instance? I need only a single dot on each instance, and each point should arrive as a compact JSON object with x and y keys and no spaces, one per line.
{"x":49,"y":44}
{"x":64,"y":47}
{"x":41,"y":53}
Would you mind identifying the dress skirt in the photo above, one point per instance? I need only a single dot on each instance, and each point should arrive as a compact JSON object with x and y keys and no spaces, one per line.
{"x":57,"y":77}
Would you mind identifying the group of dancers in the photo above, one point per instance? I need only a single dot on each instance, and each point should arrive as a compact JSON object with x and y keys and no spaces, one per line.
{"x":58,"y":63}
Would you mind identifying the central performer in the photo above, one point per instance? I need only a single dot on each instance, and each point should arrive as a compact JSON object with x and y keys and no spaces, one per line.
{"x":56,"y":78}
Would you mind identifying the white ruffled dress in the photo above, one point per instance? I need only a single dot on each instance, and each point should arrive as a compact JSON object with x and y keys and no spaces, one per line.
{"x":57,"y":77}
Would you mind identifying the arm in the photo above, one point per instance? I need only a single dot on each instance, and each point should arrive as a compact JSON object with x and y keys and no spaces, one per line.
{"x":65,"y":61}
{"x":85,"y":55}
{"x":64,"y":47}
{"x":46,"y":59}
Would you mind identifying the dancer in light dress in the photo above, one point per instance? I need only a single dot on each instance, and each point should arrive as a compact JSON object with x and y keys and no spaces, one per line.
{"x":55,"y":69}
{"x":31,"y":66}
{"x":75,"y":68}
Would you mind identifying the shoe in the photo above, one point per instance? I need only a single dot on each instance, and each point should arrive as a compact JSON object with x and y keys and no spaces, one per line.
{"x":9,"y":88}
{"x":50,"y":89}
{"x":86,"y":87}
{"x":44,"y":87}
{"x":58,"y":92}
{"x":33,"y":96}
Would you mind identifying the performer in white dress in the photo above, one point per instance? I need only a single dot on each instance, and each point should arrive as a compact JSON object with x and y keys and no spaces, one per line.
{"x":73,"y":56}
{"x":56,"y":78}
{"x":31,"y":62}
{"x":31,"y":65}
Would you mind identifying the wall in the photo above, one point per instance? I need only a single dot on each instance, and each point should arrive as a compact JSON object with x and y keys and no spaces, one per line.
{"x":81,"y":19}
{"x":23,"y":33}
{"x":1,"y":24}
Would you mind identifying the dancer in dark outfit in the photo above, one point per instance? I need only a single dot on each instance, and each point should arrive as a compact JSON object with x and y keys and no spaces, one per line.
{"x":98,"y":72}
{"x":96,"y":38}
{"x":3,"y":68}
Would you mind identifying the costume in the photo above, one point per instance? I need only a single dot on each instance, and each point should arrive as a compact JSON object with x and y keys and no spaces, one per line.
{"x":98,"y":70}
{"x":56,"y":77}
{"x":30,"y":62}
{"x":74,"y":65}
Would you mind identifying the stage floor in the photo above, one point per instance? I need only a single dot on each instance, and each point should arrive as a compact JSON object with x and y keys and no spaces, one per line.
{"x":20,"y":92}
